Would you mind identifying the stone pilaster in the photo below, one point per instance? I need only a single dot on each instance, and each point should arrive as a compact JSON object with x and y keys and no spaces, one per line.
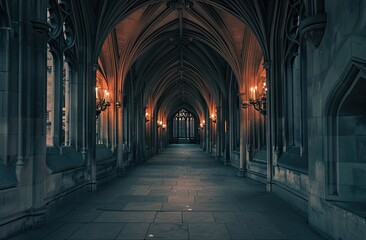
{"x":243,"y":136}
{"x":270,"y":124}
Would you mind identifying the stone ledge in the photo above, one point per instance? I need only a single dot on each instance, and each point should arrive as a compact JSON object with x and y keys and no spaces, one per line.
{"x":57,"y":162}
{"x":105,"y":161}
{"x":358,"y":209}
{"x":260,"y":156}
{"x":297,"y":199}
{"x":291,"y":159}
{"x":102,"y":153}
{"x":7,"y":176}
{"x":336,"y":221}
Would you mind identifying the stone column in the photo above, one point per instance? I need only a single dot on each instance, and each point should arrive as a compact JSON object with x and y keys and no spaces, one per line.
{"x":57,"y":95}
{"x":157,"y":130}
{"x":67,"y":106}
{"x":90,"y":124}
{"x":227,"y":135}
{"x":35,"y":62}
{"x":120,"y":131}
{"x":218,"y":133}
{"x":208,"y":135}
{"x":142,"y":128}
{"x":7,"y":98}
{"x":243,"y":137}
{"x":269,"y":122}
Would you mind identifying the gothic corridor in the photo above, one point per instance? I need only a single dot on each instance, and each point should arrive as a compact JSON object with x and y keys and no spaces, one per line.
{"x":183,"y":119}
{"x":180,"y":193}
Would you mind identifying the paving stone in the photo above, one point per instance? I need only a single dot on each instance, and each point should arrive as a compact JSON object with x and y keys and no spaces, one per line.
{"x":214,"y":199}
{"x":141,"y":192}
{"x":201,"y":231}
{"x":225,"y":217}
{"x":186,"y":199}
{"x":298,"y":231}
{"x":65,"y":231}
{"x":180,"y":184}
{"x":82,"y":216}
{"x":134,"y":231}
{"x":198,"y":217}
{"x":239,"y":231}
{"x":169,"y":217}
{"x":98,"y":231}
{"x":251,"y":216}
{"x":265,"y":231}
{"x":144,"y":206}
{"x":167,"y":231}
{"x":124,"y":216}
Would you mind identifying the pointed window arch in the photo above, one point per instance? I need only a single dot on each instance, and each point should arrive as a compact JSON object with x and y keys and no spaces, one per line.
{"x":184,"y":129}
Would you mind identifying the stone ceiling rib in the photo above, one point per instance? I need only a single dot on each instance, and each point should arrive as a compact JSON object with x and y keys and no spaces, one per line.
{"x":194,"y":46}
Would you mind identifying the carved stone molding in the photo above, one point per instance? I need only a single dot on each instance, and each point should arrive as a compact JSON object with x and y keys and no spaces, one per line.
{"x":40,"y":26}
{"x":266,"y":65}
{"x":179,"y":4}
{"x":312,"y":28}
{"x":94,"y":66}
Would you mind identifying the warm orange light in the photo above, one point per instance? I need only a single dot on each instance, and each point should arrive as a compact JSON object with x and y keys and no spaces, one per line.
{"x":106,"y":96}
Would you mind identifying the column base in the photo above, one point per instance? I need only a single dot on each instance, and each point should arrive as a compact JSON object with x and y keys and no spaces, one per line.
{"x":241,"y":172}
{"x":269,"y":187}
{"x":121,"y":172}
{"x":93,"y":186}
{"x":37,"y":217}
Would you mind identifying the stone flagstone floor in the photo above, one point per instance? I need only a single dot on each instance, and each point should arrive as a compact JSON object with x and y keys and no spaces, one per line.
{"x":180,"y":193}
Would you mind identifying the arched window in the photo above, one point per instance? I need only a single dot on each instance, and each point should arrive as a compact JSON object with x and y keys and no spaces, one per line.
{"x":184,"y":129}
{"x":50,"y":98}
{"x":61,"y":51}
{"x":292,"y":147}
{"x":347,"y":137}
{"x":66,"y":100}
{"x":292,"y":103}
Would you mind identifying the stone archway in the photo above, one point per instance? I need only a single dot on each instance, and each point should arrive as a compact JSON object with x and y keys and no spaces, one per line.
{"x":347,"y":136}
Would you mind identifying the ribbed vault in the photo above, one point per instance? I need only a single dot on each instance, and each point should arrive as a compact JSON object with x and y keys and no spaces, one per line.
{"x":181,"y":52}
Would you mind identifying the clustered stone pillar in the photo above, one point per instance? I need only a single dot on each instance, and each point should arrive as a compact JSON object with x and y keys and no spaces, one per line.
{"x":90,"y":115}
{"x":269,"y":122}
{"x":243,"y":138}
{"x":120,"y":143}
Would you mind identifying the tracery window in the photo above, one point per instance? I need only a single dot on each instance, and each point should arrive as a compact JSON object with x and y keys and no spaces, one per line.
{"x":66,"y":98}
{"x":293,"y":97}
{"x":184,"y":125}
{"x":60,"y":63}
{"x":50,"y":94}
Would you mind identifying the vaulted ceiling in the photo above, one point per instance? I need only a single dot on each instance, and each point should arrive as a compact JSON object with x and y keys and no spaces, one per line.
{"x":182,"y":54}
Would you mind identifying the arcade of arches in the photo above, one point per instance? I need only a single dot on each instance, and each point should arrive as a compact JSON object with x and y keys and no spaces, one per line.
{"x":273,"y":89}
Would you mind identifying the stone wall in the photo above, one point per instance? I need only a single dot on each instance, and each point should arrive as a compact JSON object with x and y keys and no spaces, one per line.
{"x":328,"y":68}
